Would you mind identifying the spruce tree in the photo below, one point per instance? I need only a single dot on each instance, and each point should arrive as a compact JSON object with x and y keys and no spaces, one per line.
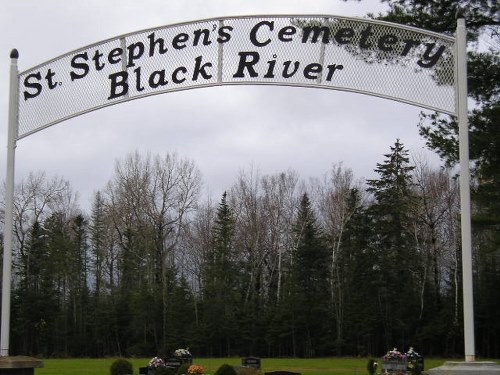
{"x":220,"y":284}
{"x":309,"y":283}
{"x":393,"y":242}
{"x":361,"y":286}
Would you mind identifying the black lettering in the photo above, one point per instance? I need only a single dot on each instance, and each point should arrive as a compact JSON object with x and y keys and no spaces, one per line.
{"x":50,"y":82}
{"x":409,"y":43}
{"x":255,"y":29}
{"x":179,"y":41}
{"x":157,"y":79}
{"x":270,"y":70}
{"x":138,"y":86}
{"x":79,"y":65}
{"x":119,"y":85}
{"x":312,"y":71}
{"x":316,"y":32}
{"x":286,"y":73}
{"x":224,"y":35}
{"x":344,"y":35}
{"x":247,"y":61}
{"x":160,"y":42}
{"x":432,"y":59}
{"x":285,"y":34}
{"x":135,"y":51}
{"x":206,"y":37}
{"x":29,"y":84}
{"x":386,"y":42}
{"x":97,"y":60}
{"x":365,"y":34}
{"x":331,"y":69}
{"x":115,"y":55}
{"x":176,"y":72}
{"x":200,"y":69}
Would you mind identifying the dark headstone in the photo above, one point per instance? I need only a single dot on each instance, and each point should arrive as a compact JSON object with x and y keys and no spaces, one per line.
{"x":174,"y":362}
{"x":251,"y":362}
{"x":418,"y":362}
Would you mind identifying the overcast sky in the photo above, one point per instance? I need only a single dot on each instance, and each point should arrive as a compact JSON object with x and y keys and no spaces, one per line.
{"x":222,"y":129}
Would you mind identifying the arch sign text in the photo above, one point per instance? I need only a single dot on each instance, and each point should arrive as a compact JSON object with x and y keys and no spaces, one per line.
{"x":329,"y":52}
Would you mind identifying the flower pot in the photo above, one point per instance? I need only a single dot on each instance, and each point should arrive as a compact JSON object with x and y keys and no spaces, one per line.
{"x":394,"y":366}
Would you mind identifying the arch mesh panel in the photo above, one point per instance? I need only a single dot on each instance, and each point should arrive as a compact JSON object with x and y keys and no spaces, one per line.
{"x":358,"y":55}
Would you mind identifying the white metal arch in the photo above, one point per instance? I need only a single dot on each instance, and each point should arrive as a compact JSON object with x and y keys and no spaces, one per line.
{"x":370,"y":57}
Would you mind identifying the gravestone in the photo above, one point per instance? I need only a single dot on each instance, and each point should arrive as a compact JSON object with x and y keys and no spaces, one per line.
{"x":19,"y":365}
{"x":419,"y":362}
{"x":251,"y":362}
{"x":174,"y":362}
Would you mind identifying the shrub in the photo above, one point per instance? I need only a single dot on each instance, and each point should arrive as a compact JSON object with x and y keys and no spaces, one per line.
{"x":121,"y":367}
{"x":372,"y":366}
{"x":225,"y":369}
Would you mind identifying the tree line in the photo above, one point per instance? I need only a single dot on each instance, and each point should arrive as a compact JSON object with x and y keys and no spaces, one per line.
{"x":276,"y":267}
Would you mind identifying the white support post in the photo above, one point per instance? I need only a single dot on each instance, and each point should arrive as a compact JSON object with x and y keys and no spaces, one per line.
{"x":9,"y":205}
{"x":465,"y":205}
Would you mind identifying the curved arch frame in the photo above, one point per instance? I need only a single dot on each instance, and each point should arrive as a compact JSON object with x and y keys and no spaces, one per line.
{"x":42,"y":96}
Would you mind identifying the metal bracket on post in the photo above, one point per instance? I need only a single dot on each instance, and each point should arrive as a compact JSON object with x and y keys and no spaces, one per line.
{"x":9,"y":204}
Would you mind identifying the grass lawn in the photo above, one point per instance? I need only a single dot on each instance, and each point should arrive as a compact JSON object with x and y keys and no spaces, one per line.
{"x":316,"y":366}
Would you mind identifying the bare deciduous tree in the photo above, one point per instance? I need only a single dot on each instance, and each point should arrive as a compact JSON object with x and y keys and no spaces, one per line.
{"x":438,"y":203}
{"x":35,"y":198}
{"x":335,"y":208}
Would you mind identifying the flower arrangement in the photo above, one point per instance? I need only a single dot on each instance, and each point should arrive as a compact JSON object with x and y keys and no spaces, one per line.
{"x":414,"y":361}
{"x":412,"y":355}
{"x":394,"y":355}
{"x":156,"y":362}
{"x":195,"y":370}
{"x":182,"y":353}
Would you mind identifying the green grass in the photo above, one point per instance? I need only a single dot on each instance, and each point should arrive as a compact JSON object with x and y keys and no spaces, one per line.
{"x":316,"y":366}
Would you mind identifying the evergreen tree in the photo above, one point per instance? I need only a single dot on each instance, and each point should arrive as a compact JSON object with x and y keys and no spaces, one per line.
{"x":392,"y":192}
{"x":220,"y":284}
{"x":309,"y":284}
{"x":362,"y":325}
{"x":78,"y":284}
{"x":34,"y":298}
{"x":98,"y":243}
{"x":182,"y":326}
{"x":440,"y":15}
{"x":393,"y":242}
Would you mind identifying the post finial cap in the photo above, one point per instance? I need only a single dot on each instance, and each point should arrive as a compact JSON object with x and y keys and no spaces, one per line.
{"x":14,"y":54}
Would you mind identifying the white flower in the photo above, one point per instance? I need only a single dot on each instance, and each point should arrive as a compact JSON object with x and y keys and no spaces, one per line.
{"x":182,"y":353}
{"x":156,"y":362}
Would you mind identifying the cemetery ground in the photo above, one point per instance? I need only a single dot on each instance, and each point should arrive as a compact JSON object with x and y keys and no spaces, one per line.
{"x":312,"y":366}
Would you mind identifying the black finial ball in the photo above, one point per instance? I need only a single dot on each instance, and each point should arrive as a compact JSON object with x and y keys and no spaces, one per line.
{"x":14,"y":54}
